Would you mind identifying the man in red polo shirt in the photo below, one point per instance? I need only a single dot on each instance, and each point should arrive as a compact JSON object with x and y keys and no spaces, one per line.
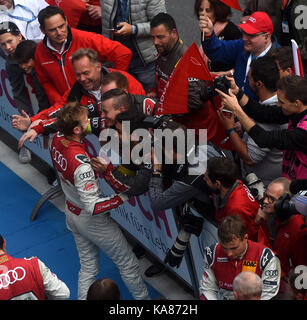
{"x":280,"y":229}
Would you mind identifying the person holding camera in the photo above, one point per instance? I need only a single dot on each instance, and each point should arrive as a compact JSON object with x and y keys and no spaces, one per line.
{"x":291,"y":108}
{"x":265,"y":163}
{"x":179,"y":185}
{"x":233,"y":254}
{"x":280,"y":227}
{"x":256,"y":42}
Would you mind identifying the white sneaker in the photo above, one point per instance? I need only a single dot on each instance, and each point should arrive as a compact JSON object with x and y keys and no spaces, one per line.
{"x":24,"y":155}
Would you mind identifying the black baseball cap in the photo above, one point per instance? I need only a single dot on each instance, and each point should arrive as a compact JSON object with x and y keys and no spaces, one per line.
{"x":8,"y":27}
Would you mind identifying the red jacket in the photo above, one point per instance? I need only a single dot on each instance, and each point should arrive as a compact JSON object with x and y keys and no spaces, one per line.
{"x":286,"y":243}
{"x":55,"y":71}
{"x":82,"y":96}
{"x":299,"y":252}
{"x":241,"y":202}
{"x":286,"y":237}
{"x":20,"y":277}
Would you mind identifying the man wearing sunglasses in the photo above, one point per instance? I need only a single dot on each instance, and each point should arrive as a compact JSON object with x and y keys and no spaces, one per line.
{"x":256,"y":42}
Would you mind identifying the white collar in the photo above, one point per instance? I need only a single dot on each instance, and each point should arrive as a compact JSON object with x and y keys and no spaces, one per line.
{"x":271,"y":100}
{"x":49,"y":45}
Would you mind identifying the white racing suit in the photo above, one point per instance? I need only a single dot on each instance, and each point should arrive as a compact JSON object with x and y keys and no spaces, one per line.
{"x":220,"y":271}
{"x":88,"y":218}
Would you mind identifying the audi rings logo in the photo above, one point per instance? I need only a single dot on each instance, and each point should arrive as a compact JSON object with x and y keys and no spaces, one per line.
{"x":271,"y":273}
{"x":11,"y":276}
{"x":59,"y":159}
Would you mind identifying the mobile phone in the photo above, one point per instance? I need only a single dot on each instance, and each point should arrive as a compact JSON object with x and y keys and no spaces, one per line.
{"x":115,"y":29}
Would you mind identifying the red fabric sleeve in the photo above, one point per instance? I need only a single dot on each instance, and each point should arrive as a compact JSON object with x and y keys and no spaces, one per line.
{"x":110,"y":50}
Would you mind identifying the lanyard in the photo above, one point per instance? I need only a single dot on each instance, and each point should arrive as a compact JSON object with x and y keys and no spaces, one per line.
{"x":22,"y":18}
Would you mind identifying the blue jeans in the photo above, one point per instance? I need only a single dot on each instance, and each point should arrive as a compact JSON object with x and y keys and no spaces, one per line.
{"x":144,"y":74}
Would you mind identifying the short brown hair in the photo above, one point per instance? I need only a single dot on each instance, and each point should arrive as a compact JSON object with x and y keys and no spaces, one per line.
{"x":25,"y":51}
{"x":222,"y":169}
{"x":116,"y":76}
{"x":85,"y":52}
{"x":231,"y":227}
{"x":295,"y":88}
{"x":282,"y":55}
{"x":119,"y":96}
{"x":221,"y":11}
{"x":69,"y":117}
{"x":49,"y":12}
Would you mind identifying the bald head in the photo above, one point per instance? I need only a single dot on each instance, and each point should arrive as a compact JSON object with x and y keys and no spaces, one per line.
{"x":247,"y":285}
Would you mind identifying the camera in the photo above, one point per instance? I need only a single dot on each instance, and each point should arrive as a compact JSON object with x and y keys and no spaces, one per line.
{"x":156,"y":122}
{"x":255,"y":186}
{"x":190,"y":225}
{"x":286,"y":206}
{"x":207,"y":92}
{"x":221,"y":83}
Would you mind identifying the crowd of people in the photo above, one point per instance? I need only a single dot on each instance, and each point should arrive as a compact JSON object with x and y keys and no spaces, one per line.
{"x":92,"y":78}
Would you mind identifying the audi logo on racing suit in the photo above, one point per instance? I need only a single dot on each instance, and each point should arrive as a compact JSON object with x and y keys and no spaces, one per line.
{"x":59,"y":159}
{"x":11,"y":277}
{"x":271,"y":273}
{"x":86,"y":175}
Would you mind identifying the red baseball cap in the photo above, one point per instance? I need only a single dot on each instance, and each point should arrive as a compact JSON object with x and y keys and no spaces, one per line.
{"x":259,"y":21}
